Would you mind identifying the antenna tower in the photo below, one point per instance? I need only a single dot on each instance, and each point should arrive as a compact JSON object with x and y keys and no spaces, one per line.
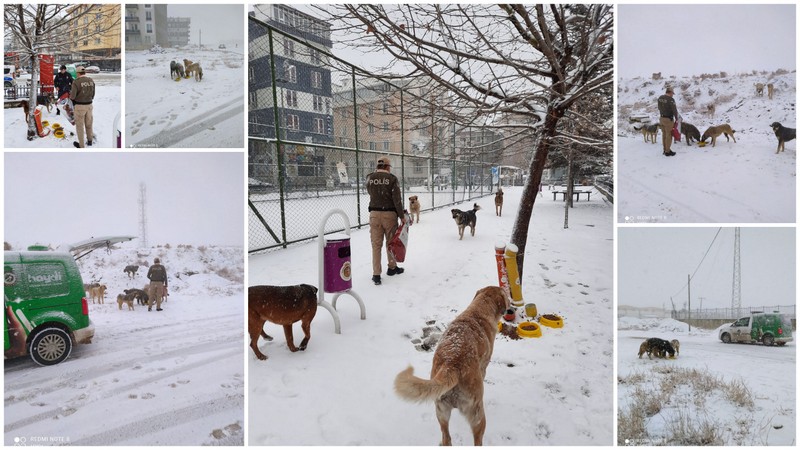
{"x":143,"y":214}
{"x":736,"y":301}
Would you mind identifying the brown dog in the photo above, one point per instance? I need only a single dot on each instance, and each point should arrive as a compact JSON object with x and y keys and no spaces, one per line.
{"x":498,"y":202}
{"x":414,"y":207}
{"x":645,"y":348}
{"x":99,"y":293}
{"x":459,"y":365}
{"x":715,"y":132}
{"x":282,"y":305}
{"x":127,"y":299}
{"x":676,"y":345}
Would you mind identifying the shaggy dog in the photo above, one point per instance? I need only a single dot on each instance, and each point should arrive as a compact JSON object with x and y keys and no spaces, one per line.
{"x":465,"y":219}
{"x":140,"y":295}
{"x":714,"y":132}
{"x":691,"y":132}
{"x":784,"y":134}
{"x":127,"y":299}
{"x":195,"y":69}
{"x":459,"y":365}
{"x":760,"y":89}
{"x":282,"y":305}
{"x":660,"y":347}
{"x":676,"y":345}
{"x":414,"y":207}
{"x":131,"y":270}
{"x":498,"y":202}
{"x":175,"y":68}
{"x":650,"y":132}
{"x":99,"y":293}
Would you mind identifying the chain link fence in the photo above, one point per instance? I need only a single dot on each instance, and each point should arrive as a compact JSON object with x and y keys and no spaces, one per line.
{"x":334,"y":122}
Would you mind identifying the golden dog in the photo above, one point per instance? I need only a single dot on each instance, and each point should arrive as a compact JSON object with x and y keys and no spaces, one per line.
{"x":715,"y":132}
{"x":125,"y":298}
{"x":414,"y":207}
{"x":196,"y":69}
{"x":498,"y":202}
{"x":99,"y":293}
{"x":760,"y":89}
{"x":676,"y":345}
{"x":770,"y":90}
{"x":459,"y":365}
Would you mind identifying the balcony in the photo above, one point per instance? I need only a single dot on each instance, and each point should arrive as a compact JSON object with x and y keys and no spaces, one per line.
{"x":129,"y":19}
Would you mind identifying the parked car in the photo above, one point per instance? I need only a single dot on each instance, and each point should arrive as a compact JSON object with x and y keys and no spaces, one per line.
{"x":45,"y":302}
{"x":9,"y":77}
{"x":765,"y":328}
{"x":92,"y":69}
{"x":222,"y":46}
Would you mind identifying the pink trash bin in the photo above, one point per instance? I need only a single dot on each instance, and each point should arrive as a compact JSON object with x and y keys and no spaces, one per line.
{"x":336,"y":260}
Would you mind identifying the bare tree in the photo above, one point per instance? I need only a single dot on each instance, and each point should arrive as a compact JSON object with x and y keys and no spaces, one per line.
{"x":532,"y":61}
{"x":35,"y":29}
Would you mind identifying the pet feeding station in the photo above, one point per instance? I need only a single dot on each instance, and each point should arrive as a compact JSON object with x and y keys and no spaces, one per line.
{"x":335,"y":269}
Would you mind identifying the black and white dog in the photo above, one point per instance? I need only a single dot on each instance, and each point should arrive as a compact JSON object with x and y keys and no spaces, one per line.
{"x":465,"y":219}
{"x":784,"y":135}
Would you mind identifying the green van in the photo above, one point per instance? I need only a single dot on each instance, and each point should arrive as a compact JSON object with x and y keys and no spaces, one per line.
{"x":45,"y":302}
{"x":766,"y":328}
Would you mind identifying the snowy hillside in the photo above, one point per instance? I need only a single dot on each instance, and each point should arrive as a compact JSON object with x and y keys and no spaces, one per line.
{"x":171,"y":377}
{"x":711,"y":394}
{"x":743,"y":181}
{"x":164,"y":113}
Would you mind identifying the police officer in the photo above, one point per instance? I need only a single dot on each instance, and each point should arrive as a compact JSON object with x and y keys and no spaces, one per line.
{"x":158,"y":284}
{"x":385,"y":207}
{"x":669,"y":114}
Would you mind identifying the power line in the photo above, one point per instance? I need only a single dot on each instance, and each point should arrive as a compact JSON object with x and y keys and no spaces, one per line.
{"x":699,"y":264}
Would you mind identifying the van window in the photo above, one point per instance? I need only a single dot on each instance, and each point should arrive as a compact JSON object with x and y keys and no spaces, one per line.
{"x":743,"y":322}
{"x":46,"y":280}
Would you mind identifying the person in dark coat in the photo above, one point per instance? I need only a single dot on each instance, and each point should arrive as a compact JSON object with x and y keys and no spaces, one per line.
{"x":63,"y":82}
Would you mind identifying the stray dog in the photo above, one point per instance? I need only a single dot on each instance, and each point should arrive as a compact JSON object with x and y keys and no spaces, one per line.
{"x":783,"y":134}
{"x":186,"y":64}
{"x":414,"y":207}
{"x":650,"y":132}
{"x":45,"y":100}
{"x":140,"y":295}
{"x":712,"y":109}
{"x":645,"y":348}
{"x":98,"y":292}
{"x":465,"y":219}
{"x":676,"y":345}
{"x":770,"y":90}
{"x":125,"y":298}
{"x":660,"y":347}
{"x":175,"y":68}
{"x":459,"y":365}
{"x":691,"y":132}
{"x":131,"y":270}
{"x":498,"y":202}
{"x":196,"y":69}
{"x":714,"y":132}
{"x":281,"y":305}
{"x":760,"y":89}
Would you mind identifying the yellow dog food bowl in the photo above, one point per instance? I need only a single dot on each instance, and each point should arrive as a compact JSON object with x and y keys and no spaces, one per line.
{"x":701,"y":144}
{"x":55,"y":126}
{"x":45,"y":124}
{"x":551,"y":320}
{"x":529,"y":330}
{"x":59,"y":133}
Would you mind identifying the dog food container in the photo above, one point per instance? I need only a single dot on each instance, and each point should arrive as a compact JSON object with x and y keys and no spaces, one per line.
{"x":530,"y":310}
{"x":336,"y":256}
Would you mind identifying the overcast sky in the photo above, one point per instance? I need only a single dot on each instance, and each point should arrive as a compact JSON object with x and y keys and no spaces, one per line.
{"x":653,"y":264}
{"x":219,"y":23}
{"x":60,"y":198}
{"x":695,"y":39}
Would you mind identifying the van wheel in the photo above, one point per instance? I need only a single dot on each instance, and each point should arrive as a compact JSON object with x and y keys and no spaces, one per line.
{"x":726,"y":338}
{"x":50,"y":346}
{"x":768,"y":339}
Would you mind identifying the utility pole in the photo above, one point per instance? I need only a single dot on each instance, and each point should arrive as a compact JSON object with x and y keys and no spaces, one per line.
{"x":689,"y":290}
{"x":736,"y":300}
{"x":143,"y":214}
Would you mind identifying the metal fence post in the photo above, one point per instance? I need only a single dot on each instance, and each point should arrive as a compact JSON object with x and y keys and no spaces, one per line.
{"x":278,"y":143}
{"x":359,"y":172}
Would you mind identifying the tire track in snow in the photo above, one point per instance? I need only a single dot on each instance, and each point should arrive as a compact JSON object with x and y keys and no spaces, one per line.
{"x":171,"y":136}
{"x":120,"y":390}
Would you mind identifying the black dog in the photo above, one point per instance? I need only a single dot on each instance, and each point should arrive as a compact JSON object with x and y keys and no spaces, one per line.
{"x":131,"y":270}
{"x":661,"y":347}
{"x":141,"y":296}
{"x":691,"y":132}
{"x":175,"y":68}
{"x":465,"y":219}
{"x":784,"y":135}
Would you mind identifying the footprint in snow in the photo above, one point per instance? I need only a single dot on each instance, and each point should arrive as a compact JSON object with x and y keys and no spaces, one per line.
{"x":148,"y":396}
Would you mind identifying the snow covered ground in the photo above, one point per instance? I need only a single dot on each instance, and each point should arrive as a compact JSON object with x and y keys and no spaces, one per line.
{"x":107,"y":106}
{"x":743,"y":181}
{"x":554,"y":390}
{"x":174,"y":377}
{"x":163,"y":113}
{"x":768,"y":372}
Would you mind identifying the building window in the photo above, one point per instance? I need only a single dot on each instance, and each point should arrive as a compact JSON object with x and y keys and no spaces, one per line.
{"x":318,"y":103}
{"x":288,"y":47}
{"x":370,"y":110}
{"x":98,"y":16}
{"x":385,"y":126}
{"x":291,"y":98}
{"x":149,"y":27}
{"x":96,"y":41}
{"x":292,"y":122}
{"x":371,"y":128}
{"x":372,"y":146}
{"x":319,"y":126}
{"x":386,"y":107}
{"x":386,"y":146}
{"x":316,"y":80}
{"x":85,"y":42}
{"x":290,"y":73}
{"x":148,"y":15}
{"x":316,"y":56}
{"x":253,"y":100}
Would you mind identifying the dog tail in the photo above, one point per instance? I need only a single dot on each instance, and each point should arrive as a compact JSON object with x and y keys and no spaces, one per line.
{"x":476,"y":207}
{"x":412,"y":388}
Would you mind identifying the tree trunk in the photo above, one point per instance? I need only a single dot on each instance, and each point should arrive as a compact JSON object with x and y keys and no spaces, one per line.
{"x":519,"y":235}
{"x":34,"y":87}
